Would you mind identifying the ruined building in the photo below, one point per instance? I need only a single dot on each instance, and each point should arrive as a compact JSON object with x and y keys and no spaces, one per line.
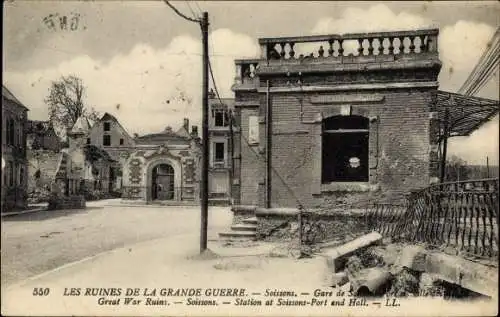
{"x":14,"y":161}
{"x":355,"y":118}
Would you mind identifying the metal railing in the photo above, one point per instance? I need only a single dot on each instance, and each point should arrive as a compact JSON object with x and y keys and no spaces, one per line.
{"x":461,"y":215}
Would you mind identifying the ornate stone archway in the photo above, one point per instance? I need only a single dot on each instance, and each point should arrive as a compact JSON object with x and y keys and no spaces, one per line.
{"x":177,"y":175}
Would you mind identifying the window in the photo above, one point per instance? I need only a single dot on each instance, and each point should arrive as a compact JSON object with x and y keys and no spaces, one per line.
{"x":106,"y":140}
{"x":345,"y":149}
{"x":11,"y":174}
{"x":219,"y":152}
{"x":88,"y":140}
{"x":107,"y":126}
{"x":221,"y":118}
{"x":10,"y":132}
{"x":121,"y":141}
{"x":21,"y":176}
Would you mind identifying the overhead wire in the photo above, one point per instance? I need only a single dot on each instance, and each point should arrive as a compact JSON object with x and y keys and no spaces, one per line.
{"x":488,"y":65}
{"x":182,"y":15}
{"x":476,"y":69}
{"x":191,"y":9}
{"x":288,"y":188}
{"x":485,"y":67}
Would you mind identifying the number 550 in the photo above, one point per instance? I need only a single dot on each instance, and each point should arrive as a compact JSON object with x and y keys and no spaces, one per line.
{"x":38,"y":291}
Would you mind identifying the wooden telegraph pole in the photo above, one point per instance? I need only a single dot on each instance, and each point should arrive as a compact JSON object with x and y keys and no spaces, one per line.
{"x":206,"y":153}
{"x":205,"y":143}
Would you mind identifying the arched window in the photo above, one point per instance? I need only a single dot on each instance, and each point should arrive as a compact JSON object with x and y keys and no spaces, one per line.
{"x":345,"y":149}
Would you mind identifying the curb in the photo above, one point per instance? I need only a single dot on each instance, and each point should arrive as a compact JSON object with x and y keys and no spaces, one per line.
{"x":22,"y":212}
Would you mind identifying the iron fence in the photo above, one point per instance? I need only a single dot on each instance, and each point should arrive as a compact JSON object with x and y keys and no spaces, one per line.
{"x":462,"y":215}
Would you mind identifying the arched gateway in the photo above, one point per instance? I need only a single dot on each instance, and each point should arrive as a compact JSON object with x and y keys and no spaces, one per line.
{"x":163,"y":182}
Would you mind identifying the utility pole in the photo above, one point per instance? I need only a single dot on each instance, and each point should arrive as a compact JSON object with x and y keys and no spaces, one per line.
{"x":203,"y":22}
{"x":487,"y":167}
{"x":205,"y":143}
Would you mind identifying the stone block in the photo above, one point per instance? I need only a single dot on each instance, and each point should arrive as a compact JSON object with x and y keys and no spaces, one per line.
{"x":337,"y":279}
{"x":337,"y":257}
{"x":413,"y":257}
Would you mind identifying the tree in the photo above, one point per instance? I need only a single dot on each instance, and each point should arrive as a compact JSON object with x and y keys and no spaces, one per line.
{"x":456,"y":169}
{"x":66,"y":103}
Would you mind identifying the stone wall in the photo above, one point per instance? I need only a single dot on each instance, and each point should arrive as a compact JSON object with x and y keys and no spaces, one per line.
{"x":66,"y":202}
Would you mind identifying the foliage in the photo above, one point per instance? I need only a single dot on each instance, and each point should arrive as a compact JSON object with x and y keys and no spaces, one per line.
{"x":93,"y":153}
{"x":66,"y":103}
{"x":456,"y":169}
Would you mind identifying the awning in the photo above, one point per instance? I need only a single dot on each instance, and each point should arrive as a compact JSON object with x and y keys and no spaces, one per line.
{"x":465,"y":113}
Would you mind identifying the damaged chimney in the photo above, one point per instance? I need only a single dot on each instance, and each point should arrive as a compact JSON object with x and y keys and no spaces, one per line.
{"x":211,"y":94}
{"x":186,"y":124}
{"x":194,"y":131}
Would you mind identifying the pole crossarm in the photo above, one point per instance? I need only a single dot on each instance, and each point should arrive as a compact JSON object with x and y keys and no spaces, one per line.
{"x":466,"y":113}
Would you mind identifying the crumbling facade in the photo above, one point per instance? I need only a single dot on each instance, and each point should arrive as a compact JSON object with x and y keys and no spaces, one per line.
{"x":14,"y":161}
{"x":351,"y":121}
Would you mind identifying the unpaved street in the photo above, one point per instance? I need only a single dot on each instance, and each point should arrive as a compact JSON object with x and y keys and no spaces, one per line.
{"x":38,"y":242}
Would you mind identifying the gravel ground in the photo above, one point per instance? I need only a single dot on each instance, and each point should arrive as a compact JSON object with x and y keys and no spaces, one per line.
{"x":34,"y":243}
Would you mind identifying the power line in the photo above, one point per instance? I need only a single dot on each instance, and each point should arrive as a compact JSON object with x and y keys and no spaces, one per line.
{"x":485,"y":67}
{"x":197,"y":6}
{"x":181,"y":14}
{"x":191,"y":9}
{"x":289,"y":189}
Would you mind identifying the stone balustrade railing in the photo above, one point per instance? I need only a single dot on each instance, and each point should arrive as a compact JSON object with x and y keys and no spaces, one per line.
{"x":347,"y":48}
{"x":356,"y":44}
{"x":246,"y":71}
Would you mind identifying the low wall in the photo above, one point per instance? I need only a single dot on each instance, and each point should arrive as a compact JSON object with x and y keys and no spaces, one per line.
{"x":66,"y":202}
{"x":282,"y":224}
{"x":242,"y":212}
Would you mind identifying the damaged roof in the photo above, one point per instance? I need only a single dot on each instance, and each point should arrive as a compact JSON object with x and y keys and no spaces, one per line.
{"x":465,"y":113}
{"x":10,"y":96}
{"x":38,"y":127}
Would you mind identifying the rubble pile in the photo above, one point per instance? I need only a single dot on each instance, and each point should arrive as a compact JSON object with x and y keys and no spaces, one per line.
{"x":372,"y":268}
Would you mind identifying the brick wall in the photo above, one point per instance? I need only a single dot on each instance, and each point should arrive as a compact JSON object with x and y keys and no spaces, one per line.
{"x":251,"y":167}
{"x":399,"y":144}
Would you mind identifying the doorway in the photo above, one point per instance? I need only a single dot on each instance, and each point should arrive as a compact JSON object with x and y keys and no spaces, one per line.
{"x":163,"y":182}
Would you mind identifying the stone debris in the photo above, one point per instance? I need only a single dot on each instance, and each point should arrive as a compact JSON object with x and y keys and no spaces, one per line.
{"x":370,"y":282}
{"x":400,"y":270}
{"x":337,"y":257}
{"x":406,"y":283}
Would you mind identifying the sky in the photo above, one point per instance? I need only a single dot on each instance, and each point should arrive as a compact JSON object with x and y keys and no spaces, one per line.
{"x":142,"y":63}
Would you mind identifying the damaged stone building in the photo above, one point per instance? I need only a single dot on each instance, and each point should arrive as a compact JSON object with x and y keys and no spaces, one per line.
{"x":351,"y":120}
{"x":14,"y":161}
{"x":164,"y":166}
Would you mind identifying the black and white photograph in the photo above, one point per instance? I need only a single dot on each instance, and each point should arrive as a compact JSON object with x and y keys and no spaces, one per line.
{"x":250,"y":158}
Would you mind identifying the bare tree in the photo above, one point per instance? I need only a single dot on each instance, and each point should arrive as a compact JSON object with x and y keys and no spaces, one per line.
{"x":66,"y":103}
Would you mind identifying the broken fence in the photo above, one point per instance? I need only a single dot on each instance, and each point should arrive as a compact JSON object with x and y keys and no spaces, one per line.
{"x":462,"y":215}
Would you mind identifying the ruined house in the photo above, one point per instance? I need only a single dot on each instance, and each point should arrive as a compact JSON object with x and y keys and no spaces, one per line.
{"x":14,"y":161}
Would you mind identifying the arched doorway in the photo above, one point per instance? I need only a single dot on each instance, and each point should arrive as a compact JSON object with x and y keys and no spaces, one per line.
{"x":162,"y":180}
